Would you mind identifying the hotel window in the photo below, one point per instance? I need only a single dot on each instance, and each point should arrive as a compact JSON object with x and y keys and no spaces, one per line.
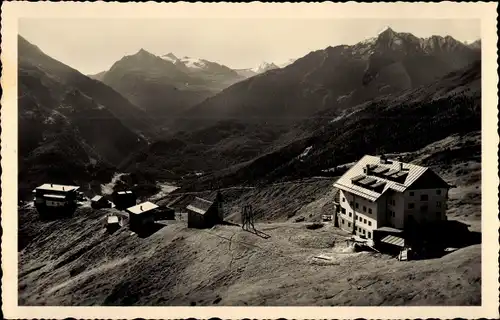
{"x":438,"y":192}
{"x":411,"y":205}
{"x":363,"y":231}
{"x":369,"y":234}
{"x":369,"y":210}
{"x":438,"y":204}
{"x":349,"y":224}
{"x":424,"y":208}
{"x":343,"y":199}
{"x":357,"y":205}
{"x":412,"y":193}
{"x":393,"y":214}
{"x":364,"y":220}
{"x":350,"y":214}
{"x":369,"y":223}
{"x":343,"y":222}
{"x":343,"y":210}
{"x":364,"y":208}
{"x":424,"y":197}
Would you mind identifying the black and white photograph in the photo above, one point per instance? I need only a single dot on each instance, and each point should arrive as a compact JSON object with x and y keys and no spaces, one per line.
{"x":251,"y":161}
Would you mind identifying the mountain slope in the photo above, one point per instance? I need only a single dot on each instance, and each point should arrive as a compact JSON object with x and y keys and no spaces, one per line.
{"x":164,"y":86}
{"x":228,"y":266}
{"x":129,"y":114}
{"x":155,"y":84}
{"x":398,"y":123}
{"x":69,"y":123}
{"x":335,"y":78}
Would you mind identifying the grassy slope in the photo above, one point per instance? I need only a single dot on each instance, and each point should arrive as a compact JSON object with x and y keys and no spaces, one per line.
{"x":178,"y":266}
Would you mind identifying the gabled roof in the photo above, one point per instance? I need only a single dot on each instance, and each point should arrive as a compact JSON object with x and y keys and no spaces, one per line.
{"x":57,"y":187}
{"x":113,"y":219}
{"x":381,"y":175}
{"x":142,"y":207}
{"x":200,"y":205}
{"x":397,"y":241}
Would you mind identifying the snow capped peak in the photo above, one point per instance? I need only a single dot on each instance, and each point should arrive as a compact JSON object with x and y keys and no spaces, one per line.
{"x":386,"y":29}
{"x":170,"y":57}
{"x":264,"y":66}
{"x":143,"y":52}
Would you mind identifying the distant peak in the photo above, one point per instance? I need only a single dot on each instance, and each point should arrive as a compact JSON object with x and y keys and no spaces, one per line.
{"x":265,"y":66}
{"x":170,"y":56}
{"x":143,"y":52}
{"x":386,"y":31}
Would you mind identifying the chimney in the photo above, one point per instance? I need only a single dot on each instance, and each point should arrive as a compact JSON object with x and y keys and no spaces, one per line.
{"x":141,"y":208}
{"x":401,"y":166}
{"x":367,"y":169}
{"x":51,"y":185}
{"x":63,"y":188}
{"x":383,"y":159}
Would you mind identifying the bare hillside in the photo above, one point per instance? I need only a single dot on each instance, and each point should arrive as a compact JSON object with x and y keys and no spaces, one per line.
{"x":228,"y":266}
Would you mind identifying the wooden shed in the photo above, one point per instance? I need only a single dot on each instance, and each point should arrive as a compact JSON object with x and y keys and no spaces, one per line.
{"x":99,"y":202}
{"x":124,"y":199}
{"x":113,"y":223}
{"x":204,"y":213}
{"x":165,"y":213}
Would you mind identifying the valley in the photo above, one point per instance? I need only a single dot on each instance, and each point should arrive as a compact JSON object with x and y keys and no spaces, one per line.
{"x":275,"y":138}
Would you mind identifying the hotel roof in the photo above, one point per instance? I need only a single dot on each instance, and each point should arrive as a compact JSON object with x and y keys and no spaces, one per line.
{"x":379,"y":173}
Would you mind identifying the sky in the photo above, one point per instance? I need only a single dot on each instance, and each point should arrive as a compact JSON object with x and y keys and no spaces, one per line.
{"x":93,"y":45}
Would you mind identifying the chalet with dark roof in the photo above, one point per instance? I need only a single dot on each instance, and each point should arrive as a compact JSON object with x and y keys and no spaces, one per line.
{"x":205,"y":213}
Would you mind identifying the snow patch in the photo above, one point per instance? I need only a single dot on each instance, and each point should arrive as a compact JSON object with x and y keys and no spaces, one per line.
{"x":368,"y":41}
{"x":264,"y":66}
{"x":194,"y":63}
{"x":384,"y":29}
{"x":287,"y":63}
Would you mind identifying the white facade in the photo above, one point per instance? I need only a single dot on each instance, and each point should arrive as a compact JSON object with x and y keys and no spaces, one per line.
{"x":397,"y":205}
{"x":394,"y":210}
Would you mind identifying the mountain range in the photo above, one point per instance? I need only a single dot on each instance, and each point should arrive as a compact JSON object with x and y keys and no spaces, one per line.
{"x":71,"y":125}
{"x":166,"y":85}
{"x":336,"y":78}
{"x":171,"y":116}
{"x":280,"y":108}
